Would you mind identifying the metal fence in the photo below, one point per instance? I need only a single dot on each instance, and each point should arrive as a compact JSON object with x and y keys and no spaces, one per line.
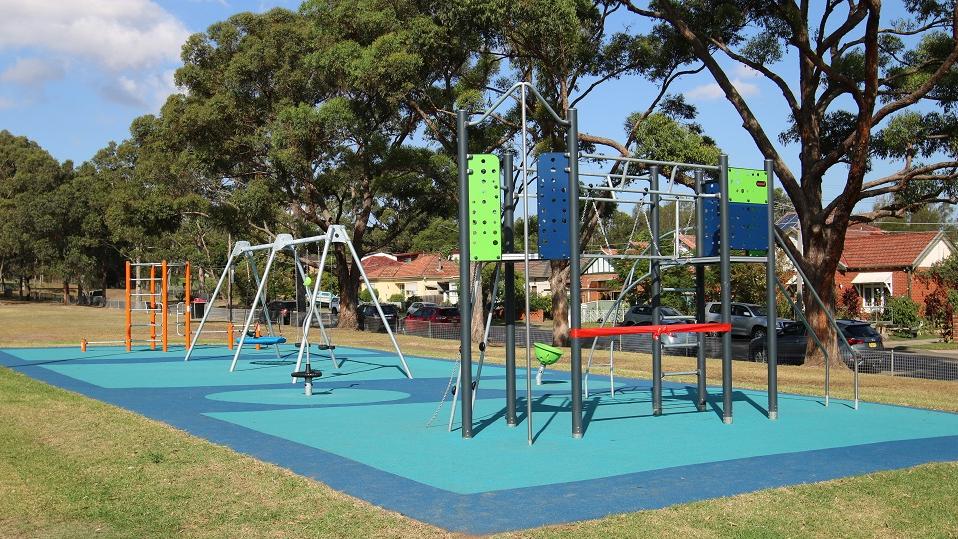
{"x":888,"y":362}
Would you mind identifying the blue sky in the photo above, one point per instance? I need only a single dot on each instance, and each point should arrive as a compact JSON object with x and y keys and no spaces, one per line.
{"x":73,"y":74}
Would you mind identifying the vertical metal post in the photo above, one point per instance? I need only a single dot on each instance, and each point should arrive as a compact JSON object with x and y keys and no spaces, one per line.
{"x":164,"y":311}
{"x":252,"y":311}
{"x":655,"y":271}
{"x":465,"y":305}
{"x":187,"y":326}
{"x":508,"y":246}
{"x":771,"y":331}
{"x":129,"y":310}
{"x":700,"y":289}
{"x":151,"y":305}
{"x":525,"y":263}
{"x":575,"y":280}
{"x":209,"y":308}
{"x":725,"y":278}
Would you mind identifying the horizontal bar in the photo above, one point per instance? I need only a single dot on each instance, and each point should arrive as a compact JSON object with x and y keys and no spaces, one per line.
{"x":669,"y":289}
{"x":715,"y":260}
{"x":679,"y":373}
{"x":628,"y":257}
{"x":618,"y":200}
{"x":644,"y":177}
{"x":647,"y":161}
{"x":518,"y":257}
{"x":105,"y":342}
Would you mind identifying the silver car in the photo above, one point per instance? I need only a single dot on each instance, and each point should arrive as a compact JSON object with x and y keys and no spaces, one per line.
{"x":748,"y":319}
{"x":416,"y":305}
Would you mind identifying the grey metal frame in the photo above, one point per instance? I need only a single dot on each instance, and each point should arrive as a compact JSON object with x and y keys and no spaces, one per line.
{"x":656,"y":259}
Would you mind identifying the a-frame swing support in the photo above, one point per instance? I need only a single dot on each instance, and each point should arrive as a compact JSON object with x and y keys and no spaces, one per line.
{"x":286,"y":243}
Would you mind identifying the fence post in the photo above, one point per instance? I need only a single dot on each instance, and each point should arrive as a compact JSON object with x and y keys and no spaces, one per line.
{"x":893,"y":361}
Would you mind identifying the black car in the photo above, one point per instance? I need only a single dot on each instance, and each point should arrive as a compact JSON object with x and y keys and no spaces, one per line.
{"x":793,"y":339}
{"x":368,"y":311}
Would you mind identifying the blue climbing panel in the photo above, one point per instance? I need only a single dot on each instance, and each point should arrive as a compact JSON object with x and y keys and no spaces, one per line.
{"x":553,"y":206}
{"x":748,"y":224}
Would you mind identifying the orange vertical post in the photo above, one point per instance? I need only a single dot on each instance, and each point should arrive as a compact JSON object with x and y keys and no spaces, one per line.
{"x":129,"y":305}
{"x":189,"y":306}
{"x":165,"y":312}
{"x":152,"y":307}
{"x":229,"y":336}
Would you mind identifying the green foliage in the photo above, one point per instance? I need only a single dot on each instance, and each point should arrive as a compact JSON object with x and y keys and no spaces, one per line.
{"x":366,"y":296}
{"x":902,"y":311}
{"x":541,"y":302}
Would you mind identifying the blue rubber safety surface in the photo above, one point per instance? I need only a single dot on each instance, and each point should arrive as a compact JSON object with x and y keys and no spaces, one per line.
{"x":364,"y":432}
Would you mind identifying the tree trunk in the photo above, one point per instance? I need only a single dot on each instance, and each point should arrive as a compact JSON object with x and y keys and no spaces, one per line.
{"x":478,"y":303}
{"x":66,"y":291}
{"x":348,"y":278}
{"x":820,"y":269}
{"x":559,"y":283}
{"x":21,"y":287}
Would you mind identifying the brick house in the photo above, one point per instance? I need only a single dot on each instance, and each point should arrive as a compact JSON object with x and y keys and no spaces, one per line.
{"x":430,"y":276}
{"x":881,"y":264}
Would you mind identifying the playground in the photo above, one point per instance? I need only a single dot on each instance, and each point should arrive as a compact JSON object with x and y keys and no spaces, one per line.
{"x":333,"y":436}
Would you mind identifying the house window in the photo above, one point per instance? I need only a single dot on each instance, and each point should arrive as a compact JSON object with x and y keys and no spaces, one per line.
{"x":873,"y":295}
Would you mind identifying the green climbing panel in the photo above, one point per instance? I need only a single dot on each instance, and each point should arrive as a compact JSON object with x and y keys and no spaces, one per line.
{"x":485,"y":208}
{"x":747,"y":185}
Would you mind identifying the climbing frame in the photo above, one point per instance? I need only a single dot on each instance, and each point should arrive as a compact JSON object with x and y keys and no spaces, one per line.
{"x":485,"y":208}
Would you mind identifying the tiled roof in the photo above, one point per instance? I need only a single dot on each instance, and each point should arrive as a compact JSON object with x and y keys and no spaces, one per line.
{"x":885,"y":250}
{"x":428,"y":265}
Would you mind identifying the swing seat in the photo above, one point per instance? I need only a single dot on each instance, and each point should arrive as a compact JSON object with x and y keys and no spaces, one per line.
{"x":326,"y":346}
{"x":307,"y":374}
{"x":547,"y":355}
{"x":267,"y":340}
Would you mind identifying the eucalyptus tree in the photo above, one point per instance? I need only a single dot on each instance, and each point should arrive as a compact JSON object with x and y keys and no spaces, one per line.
{"x":858,"y":89}
{"x":304,"y":118}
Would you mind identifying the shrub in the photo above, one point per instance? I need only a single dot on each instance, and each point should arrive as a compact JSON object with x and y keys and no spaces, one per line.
{"x":902,"y":311}
{"x":849,"y":303}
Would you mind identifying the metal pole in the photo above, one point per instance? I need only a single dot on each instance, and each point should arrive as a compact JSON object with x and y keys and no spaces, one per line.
{"x":164,"y":311}
{"x":508,"y":246}
{"x":152,"y":306}
{"x":129,"y":310}
{"x":575,"y":280}
{"x":379,"y":309}
{"x":700,"y":290}
{"x":265,"y":278}
{"x":187,"y":326}
{"x":725,"y":272}
{"x":465,"y":305}
{"x":209,"y":308}
{"x":771,"y":332}
{"x":656,"y":290}
{"x":252,"y":310}
{"x":303,"y":344}
{"x":525,"y":263}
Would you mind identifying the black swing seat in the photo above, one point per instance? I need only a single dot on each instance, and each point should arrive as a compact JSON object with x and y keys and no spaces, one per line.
{"x":326,"y":346}
{"x":308,"y":374}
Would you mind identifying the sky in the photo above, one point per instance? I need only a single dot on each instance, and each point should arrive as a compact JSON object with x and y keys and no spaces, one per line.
{"x":74,"y":74}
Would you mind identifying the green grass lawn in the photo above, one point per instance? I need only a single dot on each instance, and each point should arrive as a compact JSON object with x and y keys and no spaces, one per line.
{"x":71,"y":466}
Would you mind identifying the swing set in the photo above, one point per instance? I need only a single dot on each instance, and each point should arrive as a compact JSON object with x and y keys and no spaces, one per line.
{"x":288,"y":245}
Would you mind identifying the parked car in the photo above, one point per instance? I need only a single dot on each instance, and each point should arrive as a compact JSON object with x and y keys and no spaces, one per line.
{"x":280,"y":311}
{"x":793,"y":338}
{"x":641,"y":315}
{"x":748,"y":319}
{"x":436,"y":315}
{"x":368,"y":310}
{"x":416,"y":305}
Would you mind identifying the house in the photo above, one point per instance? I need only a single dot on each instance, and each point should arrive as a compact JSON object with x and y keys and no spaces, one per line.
{"x":880,"y":264}
{"x":430,"y":276}
{"x":434,"y":277}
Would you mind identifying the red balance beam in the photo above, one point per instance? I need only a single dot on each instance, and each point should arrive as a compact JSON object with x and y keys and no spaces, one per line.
{"x":656,"y":331}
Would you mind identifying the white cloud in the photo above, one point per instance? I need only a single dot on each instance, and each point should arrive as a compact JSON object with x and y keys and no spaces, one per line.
{"x":128,"y":34}
{"x":32,"y":72}
{"x":148,"y":92}
{"x":708,"y":92}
